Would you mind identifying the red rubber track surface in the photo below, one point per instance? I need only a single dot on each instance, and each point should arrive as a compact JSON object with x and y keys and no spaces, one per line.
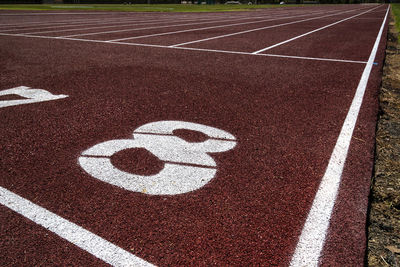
{"x":285,"y":113}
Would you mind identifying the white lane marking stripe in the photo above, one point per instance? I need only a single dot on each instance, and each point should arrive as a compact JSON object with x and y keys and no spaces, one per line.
{"x":259,"y":29}
{"x":267,"y":55}
{"x":313,"y":58}
{"x":177,"y":25}
{"x":214,"y":27}
{"x":187,"y":48}
{"x":69,"y":22}
{"x":86,"y":20}
{"x":312,"y":238}
{"x":154,"y":27}
{"x":310,"y":32}
{"x":73,"y":23}
{"x":132,"y":23}
{"x":96,"y":25}
{"x":109,"y":19}
{"x":71,"y":232}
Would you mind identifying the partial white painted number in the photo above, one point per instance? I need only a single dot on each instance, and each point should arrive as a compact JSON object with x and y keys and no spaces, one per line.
{"x":187,"y":165}
{"x":31,"y":95}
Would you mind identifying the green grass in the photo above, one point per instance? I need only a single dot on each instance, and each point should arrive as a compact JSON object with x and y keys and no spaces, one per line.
{"x":396,"y":12}
{"x":141,"y":8}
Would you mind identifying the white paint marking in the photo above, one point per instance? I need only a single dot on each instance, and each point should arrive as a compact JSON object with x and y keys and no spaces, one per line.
{"x":106,"y":20}
{"x":312,"y":239}
{"x":180,"y":25}
{"x":86,"y":240}
{"x":176,"y":177}
{"x":31,"y":95}
{"x":221,"y":26}
{"x":69,"y":22}
{"x":97,"y":24}
{"x":45,"y":25}
{"x":310,"y":32}
{"x":133,"y":23}
{"x":258,"y":29}
{"x":187,"y":48}
{"x":314,"y":58}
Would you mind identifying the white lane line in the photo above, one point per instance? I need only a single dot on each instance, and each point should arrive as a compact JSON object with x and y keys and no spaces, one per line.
{"x":109,"y":19}
{"x":173,"y":25}
{"x":132,"y":22}
{"x":314,"y":58}
{"x":242,"y":53}
{"x":149,"y":28}
{"x":117,"y":19}
{"x":97,"y":24}
{"x":74,"y":21}
{"x":312,"y":238}
{"x":186,"y":48}
{"x":213,"y":27}
{"x":310,"y":32}
{"x":71,"y":232}
{"x":46,"y":26}
{"x":259,"y":29}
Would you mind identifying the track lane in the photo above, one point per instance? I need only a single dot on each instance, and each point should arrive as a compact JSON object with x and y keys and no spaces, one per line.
{"x":348,"y":212}
{"x":222,"y":32}
{"x":246,"y":220}
{"x":23,"y":241}
{"x":111,"y":24}
{"x":240,"y":222}
{"x":310,"y":32}
{"x":122,"y":35}
{"x":270,"y":36}
{"x":349,"y":34}
{"x":82,"y":26}
{"x":312,"y":239}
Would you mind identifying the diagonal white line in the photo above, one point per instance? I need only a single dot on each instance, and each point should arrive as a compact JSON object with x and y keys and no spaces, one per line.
{"x":74,"y":21}
{"x":134,"y":23}
{"x":96,"y":25}
{"x":310,"y":32}
{"x":191,"y":30}
{"x":185,"y":48}
{"x":312,"y":238}
{"x":105,"y":20}
{"x":86,"y":240}
{"x":314,"y":58}
{"x":259,"y":29}
{"x":211,"y":27}
{"x":266,"y":55}
{"x":156,"y":27}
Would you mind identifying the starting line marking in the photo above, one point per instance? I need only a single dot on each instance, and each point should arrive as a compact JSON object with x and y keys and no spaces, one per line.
{"x":86,"y":240}
{"x":312,"y":238}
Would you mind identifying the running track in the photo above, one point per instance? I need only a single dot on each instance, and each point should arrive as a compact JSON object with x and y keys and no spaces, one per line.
{"x":238,"y":138}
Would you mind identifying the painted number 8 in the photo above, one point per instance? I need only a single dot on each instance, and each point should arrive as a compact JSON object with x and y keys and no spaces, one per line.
{"x":187,"y":165}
